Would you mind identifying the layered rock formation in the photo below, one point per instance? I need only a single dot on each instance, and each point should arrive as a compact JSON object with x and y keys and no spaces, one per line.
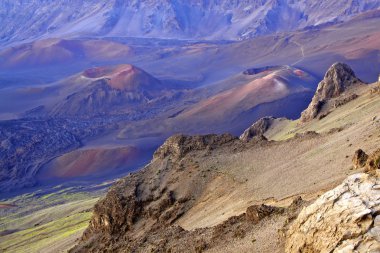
{"x":338,"y":79}
{"x":344,"y":219}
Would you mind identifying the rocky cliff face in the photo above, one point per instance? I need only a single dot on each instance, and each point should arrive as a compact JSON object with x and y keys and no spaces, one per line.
{"x":140,"y":212}
{"x":344,"y":219}
{"x":198,"y":19}
{"x":179,"y":145}
{"x":257,"y":129}
{"x":338,"y":80}
{"x":145,"y":205}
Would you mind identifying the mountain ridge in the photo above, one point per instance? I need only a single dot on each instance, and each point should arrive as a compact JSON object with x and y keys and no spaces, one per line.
{"x":178,"y":19}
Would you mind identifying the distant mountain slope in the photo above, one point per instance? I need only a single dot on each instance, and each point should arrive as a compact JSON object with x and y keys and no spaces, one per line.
{"x":57,"y":51}
{"x":180,"y":19}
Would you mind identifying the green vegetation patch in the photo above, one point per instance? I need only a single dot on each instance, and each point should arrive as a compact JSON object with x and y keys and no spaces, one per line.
{"x":36,"y":238}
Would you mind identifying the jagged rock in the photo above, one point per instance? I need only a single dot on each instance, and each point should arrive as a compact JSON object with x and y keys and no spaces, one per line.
{"x":180,"y":145}
{"x":307,"y":134}
{"x":257,"y":129}
{"x":375,"y":89}
{"x":360,"y":159}
{"x":345,"y":100}
{"x":258,"y":139}
{"x":337,"y":80}
{"x":344,"y":219}
{"x":258,"y":212}
{"x":373,"y":161}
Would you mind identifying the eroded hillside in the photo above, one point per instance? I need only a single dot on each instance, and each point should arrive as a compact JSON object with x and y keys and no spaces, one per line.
{"x":207,"y":193}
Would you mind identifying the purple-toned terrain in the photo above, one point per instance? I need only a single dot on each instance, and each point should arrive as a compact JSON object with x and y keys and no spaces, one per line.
{"x":150,"y":96}
{"x":101,"y":89}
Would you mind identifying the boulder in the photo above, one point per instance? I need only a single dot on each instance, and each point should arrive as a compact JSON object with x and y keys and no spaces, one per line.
{"x":360,"y":158}
{"x":344,"y":219}
{"x":257,"y":129}
{"x":373,"y":162}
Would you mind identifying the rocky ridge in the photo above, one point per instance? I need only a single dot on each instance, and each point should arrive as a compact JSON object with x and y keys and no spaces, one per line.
{"x":178,"y":146}
{"x":139,"y":213}
{"x":338,"y":80}
{"x":146,"y":204}
{"x":169,"y":19}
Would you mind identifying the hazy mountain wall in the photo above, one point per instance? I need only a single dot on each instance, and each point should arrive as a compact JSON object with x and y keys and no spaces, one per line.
{"x":23,"y":20}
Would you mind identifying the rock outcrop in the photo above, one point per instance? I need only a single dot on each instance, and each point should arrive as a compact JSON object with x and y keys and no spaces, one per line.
{"x":375,"y":89}
{"x":370,"y":163}
{"x":338,"y":79}
{"x":345,"y":100}
{"x":360,"y":158}
{"x":345,"y":219}
{"x":257,"y":129}
{"x":180,"y":145}
{"x":258,"y":212}
{"x":373,"y":162}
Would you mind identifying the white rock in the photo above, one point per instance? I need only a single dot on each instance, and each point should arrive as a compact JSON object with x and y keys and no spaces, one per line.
{"x":341,"y":220}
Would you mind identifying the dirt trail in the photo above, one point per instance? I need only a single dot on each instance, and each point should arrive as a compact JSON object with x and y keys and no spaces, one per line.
{"x":302,"y":53}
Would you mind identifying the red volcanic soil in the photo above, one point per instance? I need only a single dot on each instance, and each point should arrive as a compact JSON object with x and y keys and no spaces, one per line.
{"x":6,"y":206}
{"x":100,"y":161}
{"x":96,"y":72}
{"x":58,"y":51}
{"x":267,"y":87}
{"x":299,"y":73}
{"x":124,"y":77}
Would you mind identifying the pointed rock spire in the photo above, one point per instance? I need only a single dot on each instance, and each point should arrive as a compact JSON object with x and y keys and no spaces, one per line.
{"x":337,"y":80}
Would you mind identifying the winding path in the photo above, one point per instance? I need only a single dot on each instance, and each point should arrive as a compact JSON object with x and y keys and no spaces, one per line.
{"x":302,"y":52}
